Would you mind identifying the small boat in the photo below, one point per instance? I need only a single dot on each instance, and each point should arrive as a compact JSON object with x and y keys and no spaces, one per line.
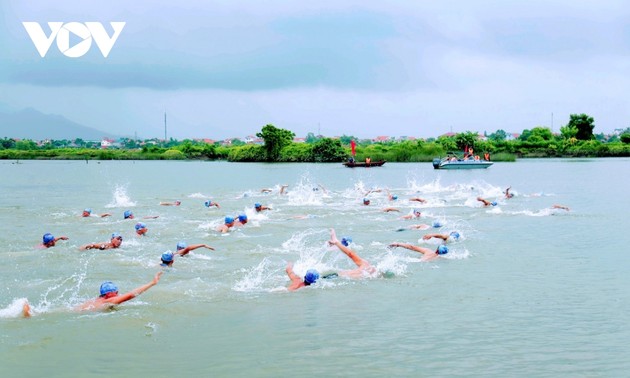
{"x":352,"y":164}
{"x":452,"y":161}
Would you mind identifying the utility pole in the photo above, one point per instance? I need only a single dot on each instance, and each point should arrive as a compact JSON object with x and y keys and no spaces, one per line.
{"x":552,"y":122}
{"x":164,"y":127}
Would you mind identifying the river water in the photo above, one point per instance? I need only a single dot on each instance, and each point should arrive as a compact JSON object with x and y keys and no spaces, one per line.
{"x":526,"y":291}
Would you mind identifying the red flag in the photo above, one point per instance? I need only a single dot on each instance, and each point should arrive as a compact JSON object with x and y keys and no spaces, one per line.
{"x":353,"y":146}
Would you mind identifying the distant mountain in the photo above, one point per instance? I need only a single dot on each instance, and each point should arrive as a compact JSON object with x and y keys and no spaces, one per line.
{"x":32,"y":124}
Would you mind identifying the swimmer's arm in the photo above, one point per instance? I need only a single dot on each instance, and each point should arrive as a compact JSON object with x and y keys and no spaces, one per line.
{"x":438,"y":236}
{"x":410,"y":247}
{"x":151,"y":217}
{"x":137,"y":291}
{"x":291,"y":273}
{"x":185,"y":251}
{"x":92,"y":246}
{"x":61,"y":238}
{"x":105,"y":215}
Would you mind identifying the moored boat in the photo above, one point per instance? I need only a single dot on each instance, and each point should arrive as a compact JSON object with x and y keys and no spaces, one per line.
{"x":353,"y":164}
{"x":452,"y":161}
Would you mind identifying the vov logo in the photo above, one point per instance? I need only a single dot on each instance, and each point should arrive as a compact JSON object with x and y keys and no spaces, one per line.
{"x":61,"y":32}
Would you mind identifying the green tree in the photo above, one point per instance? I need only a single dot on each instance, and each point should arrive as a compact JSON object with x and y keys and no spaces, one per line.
{"x":345,"y":139}
{"x":328,"y":150}
{"x":25,"y":144}
{"x":275,"y":139}
{"x":625,"y":138}
{"x":498,"y":136}
{"x":584,"y":125}
{"x":465,"y":139}
{"x":568,"y":132}
{"x":311,"y":138}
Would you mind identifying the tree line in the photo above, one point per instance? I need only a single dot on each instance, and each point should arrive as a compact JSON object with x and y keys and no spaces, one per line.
{"x":576,"y":139}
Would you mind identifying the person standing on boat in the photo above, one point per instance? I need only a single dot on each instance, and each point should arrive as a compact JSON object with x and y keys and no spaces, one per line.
{"x":368,"y":160}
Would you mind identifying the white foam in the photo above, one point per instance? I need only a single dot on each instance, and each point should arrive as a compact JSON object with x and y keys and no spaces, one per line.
{"x":14,"y":310}
{"x":120,"y":198}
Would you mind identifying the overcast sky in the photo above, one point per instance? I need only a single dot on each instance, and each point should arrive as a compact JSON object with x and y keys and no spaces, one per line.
{"x":368,"y":67}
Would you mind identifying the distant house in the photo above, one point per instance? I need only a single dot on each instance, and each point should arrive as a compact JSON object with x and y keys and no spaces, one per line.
{"x":106,"y":142}
{"x":482,"y":137}
{"x":250,"y":139}
{"x":448,"y":135}
{"x":299,"y":140}
{"x":382,"y":138}
{"x":512,"y":136}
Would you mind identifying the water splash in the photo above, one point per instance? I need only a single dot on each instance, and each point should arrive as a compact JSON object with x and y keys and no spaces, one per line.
{"x":14,"y":310}
{"x":120,"y":198}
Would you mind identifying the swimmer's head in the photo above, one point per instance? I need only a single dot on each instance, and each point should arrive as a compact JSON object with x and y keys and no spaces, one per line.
{"x":181,"y":245}
{"x":229,"y":220}
{"x":167,"y":257}
{"x":48,"y":238}
{"x":442,"y":250}
{"x":116,"y":235}
{"x":416,"y":212}
{"x":493,"y":203}
{"x":257,"y":206}
{"x":311,"y":277}
{"x":346,"y":240}
{"x":178,"y":202}
{"x":208,"y":203}
{"x":108,"y":287}
{"x":242,"y":218}
{"x":455,"y":235}
{"x":437,"y":224}
{"x":87,"y":212}
{"x":128,"y":214}
{"x":366,"y":201}
{"x":139,"y":226}
{"x":394,"y":197}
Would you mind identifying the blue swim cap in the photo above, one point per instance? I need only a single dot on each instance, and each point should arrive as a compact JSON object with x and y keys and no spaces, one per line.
{"x":88,"y":210}
{"x":437,"y":224}
{"x":493,"y":203}
{"x":181,"y":245}
{"x":140,"y":226}
{"x":442,"y":250}
{"x":48,"y":237}
{"x":394,"y":197}
{"x":229,"y":220}
{"x":127,"y":214}
{"x":417,"y":211}
{"x":208,"y":203}
{"x":242,"y":218}
{"x":116,"y":235}
{"x":346,"y":240}
{"x":108,"y":287}
{"x":455,"y":235}
{"x":167,"y":256}
{"x":257,"y":205}
{"x":311,"y":276}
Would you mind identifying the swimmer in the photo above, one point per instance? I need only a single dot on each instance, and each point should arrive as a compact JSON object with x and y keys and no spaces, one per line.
{"x":225,"y":227}
{"x":560,"y":207}
{"x":418,"y":199}
{"x":241,"y":220}
{"x":209,"y":203}
{"x":427,"y":253}
{"x":297,"y":282}
{"x":391,"y":197}
{"x":167,"y":259}
{"x":453,"y":235}
{"x":508,"y":195}
{"x":141,"y":229}
{"x":390,"y":209}
{"x":375,"y":190}
{"x":109,"y":295}
{"x":415,"y":214}
{"x":176,"y":203}
{"x":486,"y":202}
{"x":258,"y":207}
{"x":114,"y":243}
{"x":183,"y":249}
{"x":48,"y":240}
{"x":107,"y":299}
{"x":364,"y":268}
{"x":421,"y":226}
{"x":129,"y":215}
{"x":88,"y":213}
{"x":366,"y":201}
{"x":283,"y":189}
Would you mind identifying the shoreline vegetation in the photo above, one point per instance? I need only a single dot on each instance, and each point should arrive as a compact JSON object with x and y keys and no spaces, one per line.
{"x":279,"y":146}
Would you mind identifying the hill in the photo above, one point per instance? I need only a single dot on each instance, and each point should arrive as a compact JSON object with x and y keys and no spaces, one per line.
{"x":32,"y":124}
